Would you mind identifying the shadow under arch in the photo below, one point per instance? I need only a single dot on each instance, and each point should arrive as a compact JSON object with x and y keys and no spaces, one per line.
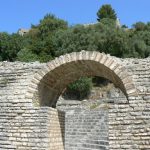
{"x":49,"y":82}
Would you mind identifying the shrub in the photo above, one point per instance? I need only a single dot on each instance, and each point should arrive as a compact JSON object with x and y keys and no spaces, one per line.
{"x":79,"y":89}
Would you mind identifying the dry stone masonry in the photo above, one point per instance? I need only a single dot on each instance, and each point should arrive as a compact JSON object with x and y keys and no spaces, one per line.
{"x":29,"y":92}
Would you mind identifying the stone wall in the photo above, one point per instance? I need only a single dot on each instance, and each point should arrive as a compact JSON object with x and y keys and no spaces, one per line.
{"x":22,"y":126}
{"x":137,"y":113}
{"x":86,"y":129}
{"x":31,"y":128}
{"x":86,"y":123}
{"x":25,"y":126}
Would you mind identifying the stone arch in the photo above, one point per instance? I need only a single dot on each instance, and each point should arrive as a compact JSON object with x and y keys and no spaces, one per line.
{"x":48,"y":83}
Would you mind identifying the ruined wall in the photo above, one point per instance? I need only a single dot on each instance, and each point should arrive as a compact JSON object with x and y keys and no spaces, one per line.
{"x":86,"y":129}
{"x":86,"y":124}
{"x":31,"y":128}
{"x":23,"y":126}
{"x":129,"y":121}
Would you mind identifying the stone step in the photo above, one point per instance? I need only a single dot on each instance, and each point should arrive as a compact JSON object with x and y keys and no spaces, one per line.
{"x":86,"y":146}
{"x":98,"y":142}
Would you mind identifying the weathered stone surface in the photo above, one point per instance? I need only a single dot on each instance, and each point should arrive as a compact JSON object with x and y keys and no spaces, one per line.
{"x":26,"y":89}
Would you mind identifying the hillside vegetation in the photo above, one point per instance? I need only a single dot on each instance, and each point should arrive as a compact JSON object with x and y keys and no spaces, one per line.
{"x":53,"y":37}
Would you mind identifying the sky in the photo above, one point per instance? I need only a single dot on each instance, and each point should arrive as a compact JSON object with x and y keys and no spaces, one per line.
{"x":15,"y":14}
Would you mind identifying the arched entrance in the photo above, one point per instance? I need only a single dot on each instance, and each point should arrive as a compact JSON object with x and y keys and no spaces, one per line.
{"x":48,"y":83}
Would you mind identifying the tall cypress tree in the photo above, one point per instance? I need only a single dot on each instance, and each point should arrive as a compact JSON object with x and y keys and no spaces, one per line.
{"x":106,"y":11}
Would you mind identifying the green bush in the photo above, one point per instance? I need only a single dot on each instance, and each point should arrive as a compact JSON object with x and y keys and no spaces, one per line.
{"x":26,"y":55}
{"x":79,"y":89}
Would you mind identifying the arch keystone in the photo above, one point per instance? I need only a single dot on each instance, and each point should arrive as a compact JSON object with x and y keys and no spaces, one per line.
{"x":67,"y":58}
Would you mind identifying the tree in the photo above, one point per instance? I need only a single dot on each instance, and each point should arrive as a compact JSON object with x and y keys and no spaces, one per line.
{"x":124,"y":26}
{"x":139,"y":26}
{"x":9,"y":46}
{"x":39,"y":38}
{"x":106,"y":11}
{"x":50,"y":24}
{"x":26,"y":55}
{"x":79,"y":89}
{"x":74,"y":39}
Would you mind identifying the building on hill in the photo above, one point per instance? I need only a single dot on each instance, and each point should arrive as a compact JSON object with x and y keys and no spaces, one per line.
{"x":23,"y":31}
{"x":118,"y":24}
